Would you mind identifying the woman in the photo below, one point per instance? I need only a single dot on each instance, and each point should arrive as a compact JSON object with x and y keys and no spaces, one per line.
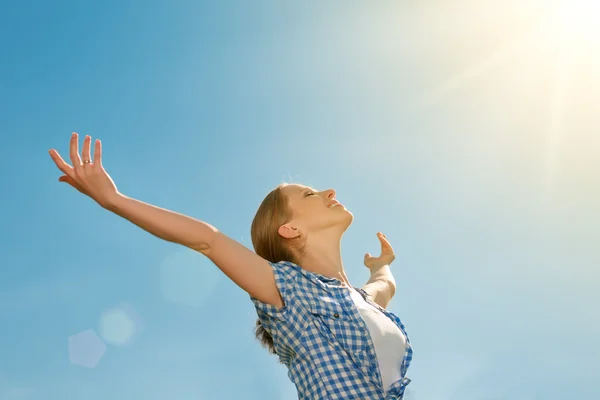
{"x":337,"y":341}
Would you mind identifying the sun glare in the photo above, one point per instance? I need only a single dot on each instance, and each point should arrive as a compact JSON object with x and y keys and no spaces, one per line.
{"x":579,"y":19}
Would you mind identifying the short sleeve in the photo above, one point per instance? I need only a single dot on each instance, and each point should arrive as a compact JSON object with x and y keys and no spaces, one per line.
{"x":284,"y":273}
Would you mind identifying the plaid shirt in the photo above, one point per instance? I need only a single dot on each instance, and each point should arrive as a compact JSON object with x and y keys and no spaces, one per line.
{"x":322,"y":339}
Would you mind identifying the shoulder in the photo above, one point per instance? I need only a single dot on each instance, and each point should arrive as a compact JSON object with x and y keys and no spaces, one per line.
{"x":286,"y":274}
{"x":285,"y":271}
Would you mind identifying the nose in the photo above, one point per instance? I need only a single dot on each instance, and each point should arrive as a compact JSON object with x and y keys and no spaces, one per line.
{"x":330,"y":194}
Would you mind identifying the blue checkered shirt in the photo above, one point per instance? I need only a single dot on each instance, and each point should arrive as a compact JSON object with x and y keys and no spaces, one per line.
{"x":322,"y":339}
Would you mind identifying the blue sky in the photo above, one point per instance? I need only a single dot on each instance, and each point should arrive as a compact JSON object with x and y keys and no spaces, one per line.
{"x":466,"y":132}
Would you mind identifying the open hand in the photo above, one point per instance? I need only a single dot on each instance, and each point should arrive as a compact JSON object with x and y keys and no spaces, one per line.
{"x":386,"y":257}
{"x":86,"y":175}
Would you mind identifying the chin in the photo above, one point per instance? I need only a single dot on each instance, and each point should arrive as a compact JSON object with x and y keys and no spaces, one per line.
{"x":348,"y":218}
{"x":340,"y":221}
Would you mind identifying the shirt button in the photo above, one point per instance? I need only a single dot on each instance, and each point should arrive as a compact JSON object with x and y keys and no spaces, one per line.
{"x":336,"y":315}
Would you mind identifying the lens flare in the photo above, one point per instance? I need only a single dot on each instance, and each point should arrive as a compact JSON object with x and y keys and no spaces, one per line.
{"x":117,"y":327}
{"x":86,"y":349}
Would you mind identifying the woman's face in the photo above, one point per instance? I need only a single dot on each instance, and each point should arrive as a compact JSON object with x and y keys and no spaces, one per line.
{"x":313,"y":210}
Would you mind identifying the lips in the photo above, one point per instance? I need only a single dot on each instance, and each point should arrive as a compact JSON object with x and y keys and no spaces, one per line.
{"x":333,"y":204}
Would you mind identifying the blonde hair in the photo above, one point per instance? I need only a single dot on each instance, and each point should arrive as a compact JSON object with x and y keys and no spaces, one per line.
{"x":272,"y":213}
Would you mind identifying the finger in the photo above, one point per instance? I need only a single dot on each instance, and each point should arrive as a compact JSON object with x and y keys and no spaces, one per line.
{"x":70,"y":181}
{"x":385,"y":244}
{"x":367,"y":256}
{"x":98,"y":152}
{"x":382,"y":238}
{"x":85,"y":152}
{"x":60,"y":163}
{"x":74,"y":152}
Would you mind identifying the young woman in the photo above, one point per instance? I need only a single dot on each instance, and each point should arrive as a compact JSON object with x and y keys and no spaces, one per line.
{"x":337,"y":341}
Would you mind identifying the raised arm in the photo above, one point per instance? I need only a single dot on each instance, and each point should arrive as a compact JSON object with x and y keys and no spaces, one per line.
{"x":249,"y":271}
{"x":381,"y":284}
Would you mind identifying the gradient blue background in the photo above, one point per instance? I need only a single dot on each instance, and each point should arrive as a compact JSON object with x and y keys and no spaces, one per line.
{"x":467,"y":131}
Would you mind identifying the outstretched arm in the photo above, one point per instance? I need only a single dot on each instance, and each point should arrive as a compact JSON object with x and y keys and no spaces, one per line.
{"x":381,"y":285}
{"x":249,"y":271}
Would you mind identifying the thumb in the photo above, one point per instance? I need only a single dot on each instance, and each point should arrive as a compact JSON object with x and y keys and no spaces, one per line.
{"x":70,"y":181}
{"x":368,"y":255}
{"x":67,"y":179}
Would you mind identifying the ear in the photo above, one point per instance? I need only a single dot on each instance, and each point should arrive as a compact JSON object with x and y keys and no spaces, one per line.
{"x":288,"y":231}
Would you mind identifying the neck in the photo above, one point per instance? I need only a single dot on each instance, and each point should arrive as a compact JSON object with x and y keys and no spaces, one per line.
{"x":323,"y":255}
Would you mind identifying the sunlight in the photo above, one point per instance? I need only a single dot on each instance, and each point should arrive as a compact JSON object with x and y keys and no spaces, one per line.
{"x":578,"y":19}
{"x":550,"y":67}
{"x":493,"y":59}
{"x":570,"y":31}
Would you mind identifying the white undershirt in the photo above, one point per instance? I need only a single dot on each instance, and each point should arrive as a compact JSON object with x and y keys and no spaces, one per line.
{"x":388,"y":339}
